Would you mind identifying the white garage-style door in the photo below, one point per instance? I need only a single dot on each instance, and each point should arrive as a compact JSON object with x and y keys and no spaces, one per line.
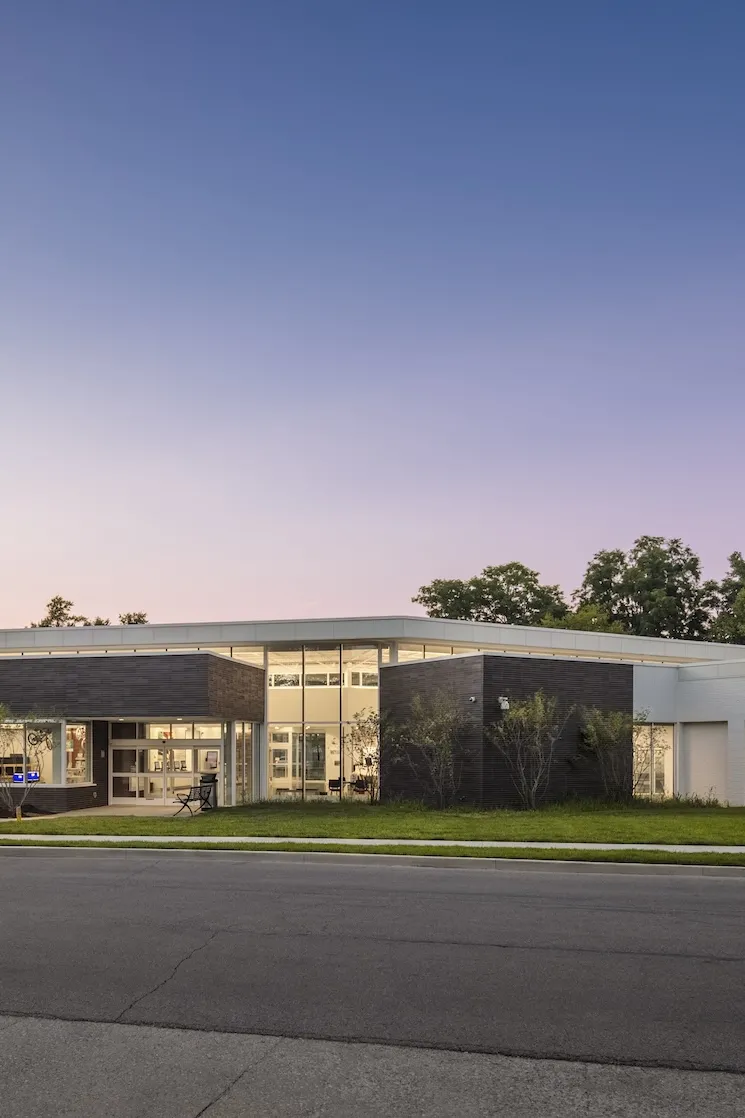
{"x":702,"y":760}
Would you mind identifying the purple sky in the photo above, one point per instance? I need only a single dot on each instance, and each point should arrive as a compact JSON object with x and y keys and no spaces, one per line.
{"x":304,"y":304}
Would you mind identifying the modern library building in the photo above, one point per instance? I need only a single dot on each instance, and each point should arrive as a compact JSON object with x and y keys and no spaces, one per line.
{"x":137,"y":714}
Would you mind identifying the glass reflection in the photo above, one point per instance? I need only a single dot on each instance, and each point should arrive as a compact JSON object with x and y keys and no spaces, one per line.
{"x":360,"y":681}
{"x":285,"y":761}
{"x":322,"y":695}
{"x":77,"y":753}
{"x":285,"y":671}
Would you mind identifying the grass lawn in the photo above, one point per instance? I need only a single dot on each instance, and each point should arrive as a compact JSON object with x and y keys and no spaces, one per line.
{"x":649,"y":857}
{"x":664,"y":823}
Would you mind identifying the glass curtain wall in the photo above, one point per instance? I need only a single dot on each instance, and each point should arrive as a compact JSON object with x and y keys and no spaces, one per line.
{"x":314,"y":692}
{"x":285,"y":731}
{"x":360,"y":698}
{"x":244,"y":762}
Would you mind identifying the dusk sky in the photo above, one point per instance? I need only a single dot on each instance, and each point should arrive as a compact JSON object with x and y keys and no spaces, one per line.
{"x":304,"y":303}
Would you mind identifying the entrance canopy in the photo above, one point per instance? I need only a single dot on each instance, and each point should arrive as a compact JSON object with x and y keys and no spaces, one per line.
{"x":84,"y":730}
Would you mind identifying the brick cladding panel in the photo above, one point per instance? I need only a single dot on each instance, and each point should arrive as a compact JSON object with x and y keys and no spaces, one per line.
{"x":486,"y":779}
{"x":159,"y":686}
{"x":576,"y":683}
{"x":43,"y":801}
{"x":459,"y":676}
{"x":236,"y":690}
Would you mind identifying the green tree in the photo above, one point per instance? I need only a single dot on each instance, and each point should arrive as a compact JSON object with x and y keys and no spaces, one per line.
{"x":607,"y":738}
{"x":510,"y":594}
{"x":587,"y":618}
{"x":604,"y":586}
{"x":525,"y":737}
{"x":60,"y":615}
{"x":430,"y":741}
{"x":654,"y":590}
{"x":729,"y":625}
{"x":362,"y":742}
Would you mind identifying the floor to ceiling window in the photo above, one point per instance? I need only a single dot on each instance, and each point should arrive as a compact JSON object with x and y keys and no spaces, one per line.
{"x":244,"y":762}
{"x":653,"y":760}
{"x":314,"y":691}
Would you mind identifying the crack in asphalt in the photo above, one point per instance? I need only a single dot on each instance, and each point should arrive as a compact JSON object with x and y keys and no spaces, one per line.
{"x":552,"y":948}
{"x":159,"y":985}
{"x":135,"y":874}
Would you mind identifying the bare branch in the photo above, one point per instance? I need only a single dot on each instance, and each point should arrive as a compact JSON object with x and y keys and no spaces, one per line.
{"x":25,"y":742}
{"x":362,"y":738}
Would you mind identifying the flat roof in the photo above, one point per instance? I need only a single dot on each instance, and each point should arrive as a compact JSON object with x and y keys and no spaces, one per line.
{"x":359,"y":631}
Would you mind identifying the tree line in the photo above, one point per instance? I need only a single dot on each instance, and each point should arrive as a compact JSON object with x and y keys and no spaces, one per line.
{"x":656,"y":589}
{"x":61,"y":615}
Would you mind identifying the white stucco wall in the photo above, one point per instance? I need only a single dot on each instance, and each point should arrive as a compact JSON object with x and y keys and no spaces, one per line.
{"x":702,"y":760}
{"x":707,"y":704}
{"x":654,"y":692}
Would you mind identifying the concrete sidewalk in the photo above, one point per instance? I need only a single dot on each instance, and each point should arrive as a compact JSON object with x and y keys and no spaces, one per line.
{"x":131,"y":1071}
{"x":228,"y":840}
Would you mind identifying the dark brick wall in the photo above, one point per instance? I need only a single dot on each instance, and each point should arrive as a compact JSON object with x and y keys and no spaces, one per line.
{"x":235,"y":693}
{"x":100,"y":739}
{"x":46,"y":801}
{"x":458,"y":676}
{"x":575,"y":683}
{"x":486,"y":778}
{"x":197,"y":685}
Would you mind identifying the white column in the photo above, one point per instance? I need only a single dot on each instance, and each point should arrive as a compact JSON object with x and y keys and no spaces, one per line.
{"x":59,"y":757}
{"x":262,"y":761}
{"x":228,"y":746}
{"x":261,"y":753}
{"x":736,"y":762}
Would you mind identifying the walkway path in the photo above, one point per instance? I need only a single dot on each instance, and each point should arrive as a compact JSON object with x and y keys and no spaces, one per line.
{"x":226,"y":840}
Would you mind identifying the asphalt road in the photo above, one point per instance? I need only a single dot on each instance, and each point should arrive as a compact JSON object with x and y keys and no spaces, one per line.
{"x":611,"y":990}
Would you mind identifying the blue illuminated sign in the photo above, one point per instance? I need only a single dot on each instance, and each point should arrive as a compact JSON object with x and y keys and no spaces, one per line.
{"x":32,"y":775}
{"x":18,"y":778}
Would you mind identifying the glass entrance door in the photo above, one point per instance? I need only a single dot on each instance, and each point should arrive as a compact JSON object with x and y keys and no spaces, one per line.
{"x":179,"y":772}
{"x":155,"y":774}
{"x":137,"y":775}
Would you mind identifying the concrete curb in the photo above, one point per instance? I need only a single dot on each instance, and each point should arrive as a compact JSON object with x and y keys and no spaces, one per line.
{"x":225,"y":841}
{"x":408,"y":861}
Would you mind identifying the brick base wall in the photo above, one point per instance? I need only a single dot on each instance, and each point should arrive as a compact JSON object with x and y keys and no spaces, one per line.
{"x":50,"y":801}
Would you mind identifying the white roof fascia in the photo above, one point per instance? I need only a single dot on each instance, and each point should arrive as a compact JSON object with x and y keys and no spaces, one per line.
{"x":362,"y":630}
